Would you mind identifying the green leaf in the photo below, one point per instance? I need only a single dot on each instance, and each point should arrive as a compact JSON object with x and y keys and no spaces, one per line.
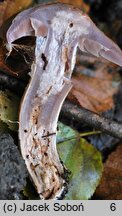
{"x":84,"y":162}
{"x":65,"y":133}
{"x":9,"y":104}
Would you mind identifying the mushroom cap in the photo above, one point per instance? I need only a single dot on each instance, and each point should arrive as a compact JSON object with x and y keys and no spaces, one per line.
{"x":38,"y":21}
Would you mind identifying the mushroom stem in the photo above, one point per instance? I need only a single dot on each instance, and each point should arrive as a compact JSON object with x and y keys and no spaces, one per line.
{"x":39,"y":113}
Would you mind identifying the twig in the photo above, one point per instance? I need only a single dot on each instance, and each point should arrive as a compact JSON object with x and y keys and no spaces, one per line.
{"x":98,"y":122}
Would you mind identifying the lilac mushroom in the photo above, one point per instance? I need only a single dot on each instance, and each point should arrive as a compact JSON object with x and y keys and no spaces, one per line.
{"x":59,"y":29}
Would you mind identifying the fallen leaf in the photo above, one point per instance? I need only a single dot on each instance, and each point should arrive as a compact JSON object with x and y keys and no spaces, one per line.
{"x":9,"y":104}
{"x":94,"y":86}
{"x":65,"y":133}
{"x":11,"y":7}
{"x":82,"y":160}
{"x":110,"y":187}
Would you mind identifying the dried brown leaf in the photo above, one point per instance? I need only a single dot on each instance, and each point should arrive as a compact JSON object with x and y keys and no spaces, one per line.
{"x":94,"y":90}
{"x":11,"y":7}
{"x":111,"y":183}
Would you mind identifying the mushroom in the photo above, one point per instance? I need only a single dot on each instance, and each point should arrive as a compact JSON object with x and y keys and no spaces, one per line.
{"x":59,"y":29}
